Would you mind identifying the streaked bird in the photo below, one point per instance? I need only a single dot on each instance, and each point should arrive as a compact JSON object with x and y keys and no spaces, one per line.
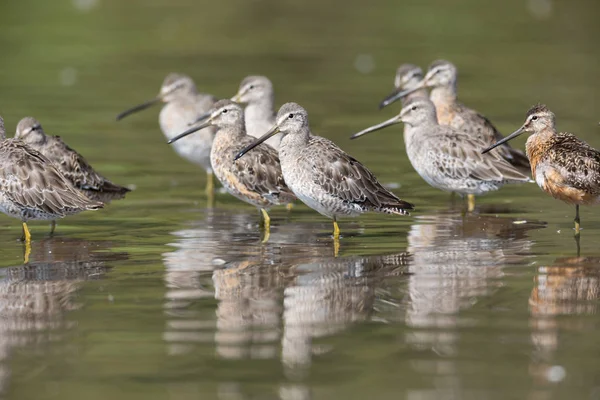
{"x":408,"y":78}
{"x":565,"y":167}
{"x":256,"y":92}
{"x":69,"y":162}
{"x":447,"y":158}
{"x":322,"y":175}
{"x":32,"y":188}
{"x":257,"y":179}
{"x":183,"y":106}
{"x":442,"y":79}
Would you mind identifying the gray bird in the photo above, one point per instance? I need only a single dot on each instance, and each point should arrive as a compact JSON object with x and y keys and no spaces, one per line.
{"x":183,"y":106}
{"x":31,"y":188}
{"x":446,"y":158}
{"x":69,"y":162}
{"x":257,"y":179}
{"x":442,"y":79}
{"x":322,"y":175}
{"x":257,"y":93}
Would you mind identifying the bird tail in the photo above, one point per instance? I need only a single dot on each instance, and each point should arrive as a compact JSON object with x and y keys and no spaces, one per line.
{"x":400,"y":207}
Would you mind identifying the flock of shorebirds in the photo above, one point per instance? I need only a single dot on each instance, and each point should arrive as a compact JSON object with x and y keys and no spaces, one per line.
{"x":266,"y":158}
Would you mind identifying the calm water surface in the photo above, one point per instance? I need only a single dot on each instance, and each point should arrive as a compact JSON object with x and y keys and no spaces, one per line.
{"x":159,"y":297}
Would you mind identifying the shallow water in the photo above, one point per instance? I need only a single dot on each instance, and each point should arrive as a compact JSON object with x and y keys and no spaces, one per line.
{"x":159,"y":297}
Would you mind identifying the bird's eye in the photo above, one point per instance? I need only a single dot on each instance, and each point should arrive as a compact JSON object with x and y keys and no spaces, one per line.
{"x":225,"y":111}
{"x":251,"y":87}
{"x":291,"y":116}
{"x":414,"y":108}
{"x":534,"y":118}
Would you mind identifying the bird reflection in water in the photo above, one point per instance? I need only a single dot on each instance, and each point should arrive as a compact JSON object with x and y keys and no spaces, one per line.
{"x":570,"y":286}
{"x":35,"y":297}
{"x":456,"y":260}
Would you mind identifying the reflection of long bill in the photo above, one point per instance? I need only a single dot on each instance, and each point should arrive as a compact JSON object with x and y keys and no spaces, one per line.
{"x":506,"y":139}
{"x":394,"y":120}
{"x":205,"y":124}
{"x":272,"y":132}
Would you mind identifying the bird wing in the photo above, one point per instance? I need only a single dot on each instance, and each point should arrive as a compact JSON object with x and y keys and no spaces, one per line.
{"x":577,"y":161}
{"x":458,"y":156}
{"x":344,"y":177}
{"x":72,"y":165}
{"x":260,"y":171}
{"x":32,"y":181}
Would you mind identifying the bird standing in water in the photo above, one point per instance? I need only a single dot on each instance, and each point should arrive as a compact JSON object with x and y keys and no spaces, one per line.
{"x":446,"y":158}
{"x":257,"y":179}
{"x":31,"y":188}
{"x":322,"y":175}
{"x":183,"y":106}
{"x":69,"y":162}
{"x":565,"y":167}
{"x":442,"y":79}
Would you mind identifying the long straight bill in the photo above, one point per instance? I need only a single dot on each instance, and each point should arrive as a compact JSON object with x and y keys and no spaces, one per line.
{"x":190,"y":131}
{"x":397,"y":95}
{"x":272,"y":132}
{"x":137,"y":108}
{"x":391,"y":121}
{"x":506,"y":139}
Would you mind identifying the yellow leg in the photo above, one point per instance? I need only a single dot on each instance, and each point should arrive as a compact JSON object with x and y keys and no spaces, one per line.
{"x":577,"y":222}
{"x":26,"y":234}
{"x":266,"y":225}
{"x":336,"y":230}
{"x":210,"y":190}
{"x":289,"y":206}
{"x":27,"y":252}
{"x":52,"y":227}
{"x":471,"y":202}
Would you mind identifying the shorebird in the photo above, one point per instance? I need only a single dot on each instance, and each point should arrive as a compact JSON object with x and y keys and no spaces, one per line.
{"x":257,"y":93}
{"x":183,"y":106}
{"x":32,"y":188}
{"x":69,"y":162}
{"x":408,"y":77}
{"x":447,"y":158}
{"x":442,"y":79}
{"x":565,"y":167}
{"x":322,"y":175}
{"x":257,"y":179}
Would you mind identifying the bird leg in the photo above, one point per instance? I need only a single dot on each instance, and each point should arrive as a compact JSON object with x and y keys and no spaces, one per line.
{"x":336,"y":230}
{"x":52,"y":227}
{"x":289,"y":206}
{"x":470,"y":202}
{"x":577,"y":226}
{"x":266,"y":225}
{"x":210,"y":190}
{"x":26,"y":235}
{"x":27,"y":252}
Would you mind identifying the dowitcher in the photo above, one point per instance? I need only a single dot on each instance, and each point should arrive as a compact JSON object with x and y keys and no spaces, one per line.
{"x":565,"y":167}
{"x":32,"y":188}
{"x":442,"y":79}
{"x":447,"y":158}
{"x":183,"y":106}
{"x":257,"y":93}
{"x":69,"y":162}
{"x":322,"y":175}
{"x":257,"y":179}
{"x":408,"y":78}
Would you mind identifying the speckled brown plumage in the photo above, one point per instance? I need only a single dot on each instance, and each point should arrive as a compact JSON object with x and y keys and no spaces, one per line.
{"x":563,"y":165}
{"x":31,"y":188}
{"x":442,"y":77}
{"x":69,"y":162}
